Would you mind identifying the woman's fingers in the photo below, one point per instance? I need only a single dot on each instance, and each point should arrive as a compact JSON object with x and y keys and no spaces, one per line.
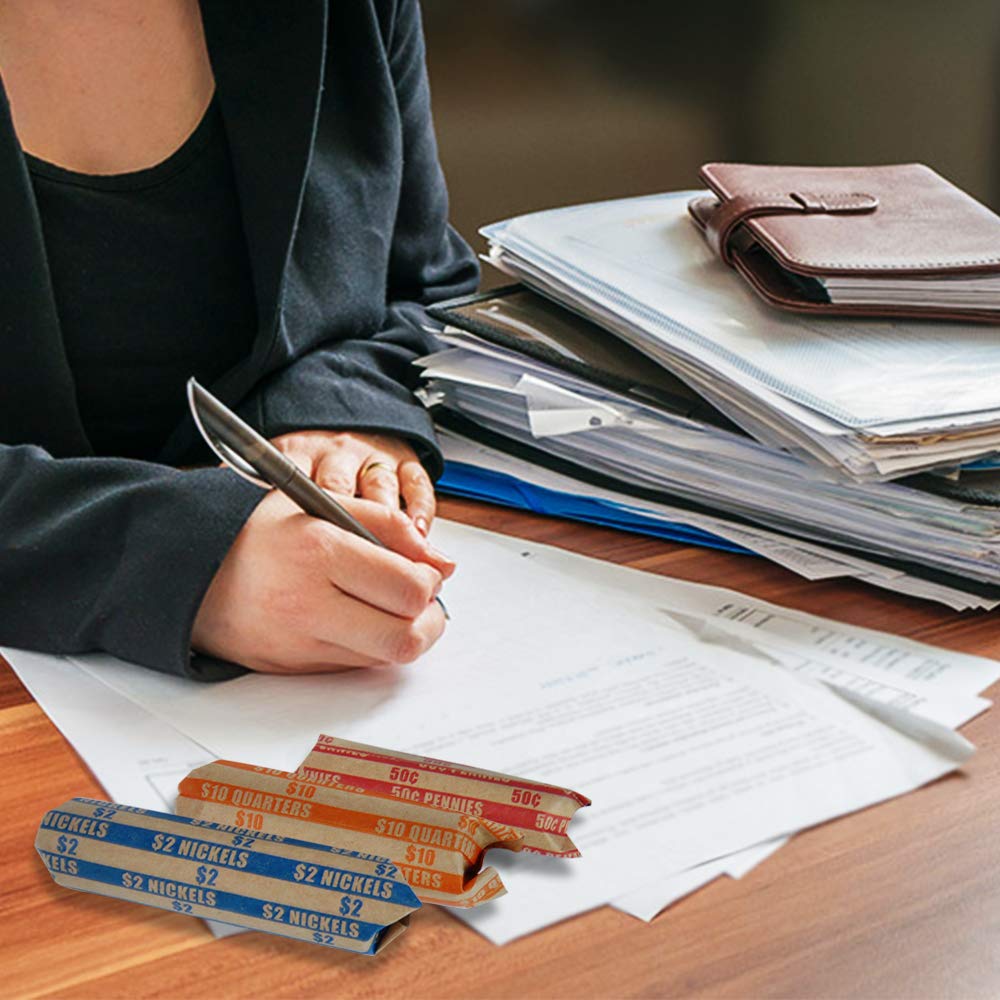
{"x":337,"y":471}
{"x":319,"y":658}
{"x":383,"y":637}
{"x":302,"y":457}
{"x":397,"y":532}
{"x":375,"y":467}
{"x":383,"y":578}
{"x":418,"y":493}
{"x":378,"y":480}
{"x":330,"y":459}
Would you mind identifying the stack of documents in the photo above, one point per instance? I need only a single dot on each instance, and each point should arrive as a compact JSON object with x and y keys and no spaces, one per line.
{"x":871,"y":399}
{"x":476,"y":470}
{"x":705,"y":725}
{"x":671,"y":383}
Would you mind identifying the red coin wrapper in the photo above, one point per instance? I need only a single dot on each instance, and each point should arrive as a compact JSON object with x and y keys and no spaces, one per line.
{"x":539,"y":813}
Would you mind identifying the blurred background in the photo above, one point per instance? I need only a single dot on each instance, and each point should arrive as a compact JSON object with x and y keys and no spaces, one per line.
{"x":549,"y":102}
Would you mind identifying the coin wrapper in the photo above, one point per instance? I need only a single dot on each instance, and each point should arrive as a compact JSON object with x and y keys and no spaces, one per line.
{"x":440,"y":853}
{"x":330,"y":896}
{"x":540,"y":813}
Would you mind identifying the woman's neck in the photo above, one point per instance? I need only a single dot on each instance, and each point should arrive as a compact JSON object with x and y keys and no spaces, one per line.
{"x":104,"y":86}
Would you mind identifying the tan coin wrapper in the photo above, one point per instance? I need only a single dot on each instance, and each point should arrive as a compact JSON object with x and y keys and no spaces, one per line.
{"x":338,"y":898}
{"x":439,"y":853}
{"x":539,"y":813}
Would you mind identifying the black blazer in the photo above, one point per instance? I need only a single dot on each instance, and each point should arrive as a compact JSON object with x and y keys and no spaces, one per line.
{"x":327,"y":112}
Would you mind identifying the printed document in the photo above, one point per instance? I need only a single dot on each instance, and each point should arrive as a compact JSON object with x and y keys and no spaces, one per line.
{"x":689,"y":749}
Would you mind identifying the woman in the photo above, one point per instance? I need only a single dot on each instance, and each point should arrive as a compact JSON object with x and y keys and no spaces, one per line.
{"x":247,"y":192}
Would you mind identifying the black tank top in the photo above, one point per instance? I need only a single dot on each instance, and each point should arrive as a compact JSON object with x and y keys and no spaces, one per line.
{"x":152,"y":284}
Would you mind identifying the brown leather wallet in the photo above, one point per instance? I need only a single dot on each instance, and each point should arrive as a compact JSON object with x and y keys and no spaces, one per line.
{"x":895,"y":240}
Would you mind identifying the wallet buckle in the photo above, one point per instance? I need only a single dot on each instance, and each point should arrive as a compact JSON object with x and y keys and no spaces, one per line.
{"x":720,"y":218}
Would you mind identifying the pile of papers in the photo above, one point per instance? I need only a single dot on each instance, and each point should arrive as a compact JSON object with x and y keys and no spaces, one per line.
{"x":481,"y":472}
{"x":705,"y":725}
{"x":802,"y":421}
{"x":874,"y":399}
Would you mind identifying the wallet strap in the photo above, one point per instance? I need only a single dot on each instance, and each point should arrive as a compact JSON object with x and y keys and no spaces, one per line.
{"x":724,"y":216}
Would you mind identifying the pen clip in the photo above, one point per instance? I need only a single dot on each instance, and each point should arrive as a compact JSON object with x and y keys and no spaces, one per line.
{"x":225,"y":454}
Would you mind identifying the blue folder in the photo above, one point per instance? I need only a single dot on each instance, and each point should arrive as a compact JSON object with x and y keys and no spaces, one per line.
{"x":475,"y":483}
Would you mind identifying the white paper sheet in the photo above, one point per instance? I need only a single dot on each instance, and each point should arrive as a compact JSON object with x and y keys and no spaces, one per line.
{"x":711,"y":792}
{"x":650,"y":900}
{"x":885,"y":655}
{"x":690,"y":751}
{"x":850,"y":673}
{"x":137,"y":758}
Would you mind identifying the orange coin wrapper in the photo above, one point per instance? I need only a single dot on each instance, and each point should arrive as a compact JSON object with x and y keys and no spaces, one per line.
{"x":338,"y":898}
{"x":539,"y":813}
{"x":439,"y":853}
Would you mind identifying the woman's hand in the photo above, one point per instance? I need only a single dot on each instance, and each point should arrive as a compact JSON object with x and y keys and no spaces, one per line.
{"x":379,"y":468}
{"x":298,"y":595}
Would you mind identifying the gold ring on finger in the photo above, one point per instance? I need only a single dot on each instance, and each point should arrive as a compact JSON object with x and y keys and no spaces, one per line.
{"x":372,"y":466}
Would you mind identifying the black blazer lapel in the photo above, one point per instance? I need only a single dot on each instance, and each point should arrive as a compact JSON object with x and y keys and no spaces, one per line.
{"x":268,"y":59}
{"x":37,"y":395}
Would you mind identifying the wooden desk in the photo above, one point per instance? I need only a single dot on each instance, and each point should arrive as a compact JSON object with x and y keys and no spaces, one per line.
{"x":902,"y":900}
